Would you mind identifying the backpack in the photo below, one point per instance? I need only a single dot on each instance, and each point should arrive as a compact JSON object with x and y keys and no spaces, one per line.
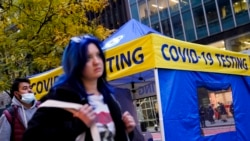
{"x":17,"y":128}
{"x":11,"y":114}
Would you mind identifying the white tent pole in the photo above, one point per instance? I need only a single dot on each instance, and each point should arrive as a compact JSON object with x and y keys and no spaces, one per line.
{"x":157,"y":88}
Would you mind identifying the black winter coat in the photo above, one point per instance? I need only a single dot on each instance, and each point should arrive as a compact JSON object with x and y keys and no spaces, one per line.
{"x":54,"y":124}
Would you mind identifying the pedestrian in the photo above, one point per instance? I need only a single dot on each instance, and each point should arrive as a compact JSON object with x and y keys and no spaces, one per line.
{"x":14,"y":119}
{"x":210,"y":112}
{"x":202,"y":113}
{"x":223,"y":112}
{"x":83,"y":82}
{"x":232,"y":109}
{"x":140,"y":115}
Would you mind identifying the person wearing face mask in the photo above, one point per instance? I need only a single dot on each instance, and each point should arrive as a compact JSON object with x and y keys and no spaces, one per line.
{"x":14,"y":120}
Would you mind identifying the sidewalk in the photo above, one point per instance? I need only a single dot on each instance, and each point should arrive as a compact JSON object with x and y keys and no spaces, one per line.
{"x":218,"y":127}
{"x":217,"y":130}
{"x":211,"y":129}
{"x":218,"y":123}
{"x":156,"y":134}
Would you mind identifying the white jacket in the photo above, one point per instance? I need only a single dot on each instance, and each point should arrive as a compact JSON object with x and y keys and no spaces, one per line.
{"x":25,"y":115}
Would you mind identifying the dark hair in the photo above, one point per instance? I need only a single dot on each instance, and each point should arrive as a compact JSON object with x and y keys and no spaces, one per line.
{"x":15,"y":84}
{"x":74,"y":59}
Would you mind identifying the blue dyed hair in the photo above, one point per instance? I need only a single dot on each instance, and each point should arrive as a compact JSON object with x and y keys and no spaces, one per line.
{"x":74,"y":59}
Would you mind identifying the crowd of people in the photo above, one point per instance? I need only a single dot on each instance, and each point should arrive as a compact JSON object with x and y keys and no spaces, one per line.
{"x":212,"y":113}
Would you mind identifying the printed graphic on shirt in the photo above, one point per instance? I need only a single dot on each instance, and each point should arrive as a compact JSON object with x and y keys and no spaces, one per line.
{"x":104,"y":121}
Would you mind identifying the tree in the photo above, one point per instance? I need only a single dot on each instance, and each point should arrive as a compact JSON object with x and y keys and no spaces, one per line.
{"x":34,"y":33}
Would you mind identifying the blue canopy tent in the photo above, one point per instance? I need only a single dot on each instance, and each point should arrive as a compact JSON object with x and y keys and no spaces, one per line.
{"x":180,"y":107}
{"x":127,"y":32}
{"x":178,"y":69}
{"x":131,"y":30}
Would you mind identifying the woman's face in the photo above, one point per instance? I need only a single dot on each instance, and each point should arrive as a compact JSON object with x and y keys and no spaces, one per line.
{"x":94,"y":66}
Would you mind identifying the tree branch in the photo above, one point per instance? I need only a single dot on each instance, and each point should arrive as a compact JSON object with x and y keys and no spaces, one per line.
{"x":26,"y":14}
{"x":47,"y":18}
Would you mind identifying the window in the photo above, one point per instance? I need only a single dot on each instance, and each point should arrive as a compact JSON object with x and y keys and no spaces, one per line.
{"x":226,"y":14}
{"x":166,"y":27}
{"x":212,"y":17}
{"x":200,"y":23}
{"x":240,"y":11}
{"x":189,"y":25}
{"x":238,"y":43}
{"x":177,"y":26}
{"x":147,"y":111}
{"x":143,"y":10}
{"x":216,"y":110}
{"x":134,"y":12}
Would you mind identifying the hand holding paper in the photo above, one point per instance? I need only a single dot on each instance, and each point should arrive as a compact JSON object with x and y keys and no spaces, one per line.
{"x":84,"y":112}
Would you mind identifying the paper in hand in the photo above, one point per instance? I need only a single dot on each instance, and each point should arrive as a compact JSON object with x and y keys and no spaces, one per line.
{"x":72,"y":107}
{"x":69,"y":106}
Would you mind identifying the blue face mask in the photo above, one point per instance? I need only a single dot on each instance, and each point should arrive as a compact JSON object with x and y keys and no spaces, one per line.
{"x":28,"y":98}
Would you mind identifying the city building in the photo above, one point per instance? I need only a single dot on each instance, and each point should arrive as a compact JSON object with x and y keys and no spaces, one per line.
{"x":223,"y":23}
{"x":114,"y":15}
{"x":219,"y":23}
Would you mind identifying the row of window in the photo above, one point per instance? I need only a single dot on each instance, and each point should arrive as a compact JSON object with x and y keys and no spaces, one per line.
{"x":191,"y":20}
{"x":147,"y":111}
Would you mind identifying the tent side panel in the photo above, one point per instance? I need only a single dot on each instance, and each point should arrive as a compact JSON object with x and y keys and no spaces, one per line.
{"x":180,"y":108}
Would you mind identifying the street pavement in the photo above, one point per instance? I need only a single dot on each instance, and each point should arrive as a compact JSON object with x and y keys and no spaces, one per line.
{"x":156,"y":134}
{"x":211,"y":129}
{"x":219,"y":127}
{"x":217,"y":130}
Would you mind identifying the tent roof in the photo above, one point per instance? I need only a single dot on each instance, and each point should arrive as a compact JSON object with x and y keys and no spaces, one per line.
{"x":128,"y":32}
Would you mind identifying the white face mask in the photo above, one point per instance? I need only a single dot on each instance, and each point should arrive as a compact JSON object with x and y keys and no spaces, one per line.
{"x":28,"y":98}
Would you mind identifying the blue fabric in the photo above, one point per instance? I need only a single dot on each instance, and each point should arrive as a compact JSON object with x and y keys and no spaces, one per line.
{"x":179,"y":99}
{"x":129,"y":31}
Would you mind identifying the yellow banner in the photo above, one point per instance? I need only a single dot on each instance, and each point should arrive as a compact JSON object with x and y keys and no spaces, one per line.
{"x":156,"y":51}
{"x":175,"y":54}
{"x":42,"y":83}
{"x":130,"y":58}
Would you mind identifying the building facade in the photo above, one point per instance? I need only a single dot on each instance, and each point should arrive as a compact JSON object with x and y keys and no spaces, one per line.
{"x":221,"y":23}
{"x":115,"y":14}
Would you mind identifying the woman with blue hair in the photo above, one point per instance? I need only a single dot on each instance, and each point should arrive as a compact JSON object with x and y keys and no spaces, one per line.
{"x":83,"y":82}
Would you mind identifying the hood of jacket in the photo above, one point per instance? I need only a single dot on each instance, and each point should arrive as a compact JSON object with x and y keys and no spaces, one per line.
{"x":24,"y":113}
